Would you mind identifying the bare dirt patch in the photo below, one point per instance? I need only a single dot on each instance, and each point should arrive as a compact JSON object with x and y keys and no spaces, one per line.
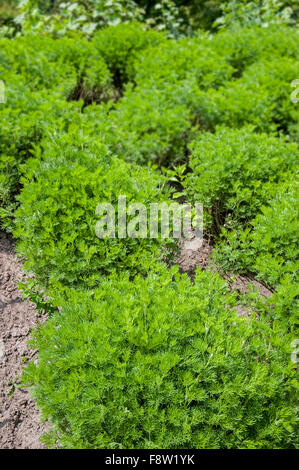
{"x":243,"y":285}
{"x":192,"y":255}
{"x":20,"y":425}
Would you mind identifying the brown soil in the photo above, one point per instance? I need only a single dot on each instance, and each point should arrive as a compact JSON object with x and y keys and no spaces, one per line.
{"x":243,"y":285}
{"x":193,"y":253}
{"x":20,"y":425}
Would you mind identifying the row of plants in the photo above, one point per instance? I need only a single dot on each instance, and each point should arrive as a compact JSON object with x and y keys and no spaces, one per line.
{"x":160,"y":110}
{"x":135,"y":354}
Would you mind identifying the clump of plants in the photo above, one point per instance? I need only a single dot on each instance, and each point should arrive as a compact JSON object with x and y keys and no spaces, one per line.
{"x":235,"y":172}
{"x":56,"y":221}
{"x":269,"y":246}
{"x":163,"y":363}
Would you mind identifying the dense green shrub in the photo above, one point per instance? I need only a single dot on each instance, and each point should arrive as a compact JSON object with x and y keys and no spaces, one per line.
{"x":260,"y":97}
{"x":274,"y":236}
{"x":186,"y":58}
{"x":242,"y":47}
{"x":234,"y":173}
{"x":284,"y":303}
{"x":25,"y":119}
{"x":155,"y":119}
{"x":234,"y":105}
{"x":119,"y":45}
{"x":37,"y":84}
{"x":60,"y":65}
{"x":153,"y":122}
{"x":36,"y":68}
{"x":270,"y":248}
{"x":163,"y":363}
{"x":275,"y":76}
{"x":56,"y":220}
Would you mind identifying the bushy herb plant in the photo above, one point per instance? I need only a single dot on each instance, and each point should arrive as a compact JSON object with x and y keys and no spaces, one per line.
{"x":269,"y":247}
{"x":261,"y":97}
{"x":234,"y":172}
{"x":163,"y":363}
{"x":56,"y":220}
{"x":120,"y":45}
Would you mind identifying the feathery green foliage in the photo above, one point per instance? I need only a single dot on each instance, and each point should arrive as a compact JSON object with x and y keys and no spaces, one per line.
{"x":235,"y":172}
{"x":56,"y":220}
{"x":163,"y":363}
{"x":135,"y":355}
